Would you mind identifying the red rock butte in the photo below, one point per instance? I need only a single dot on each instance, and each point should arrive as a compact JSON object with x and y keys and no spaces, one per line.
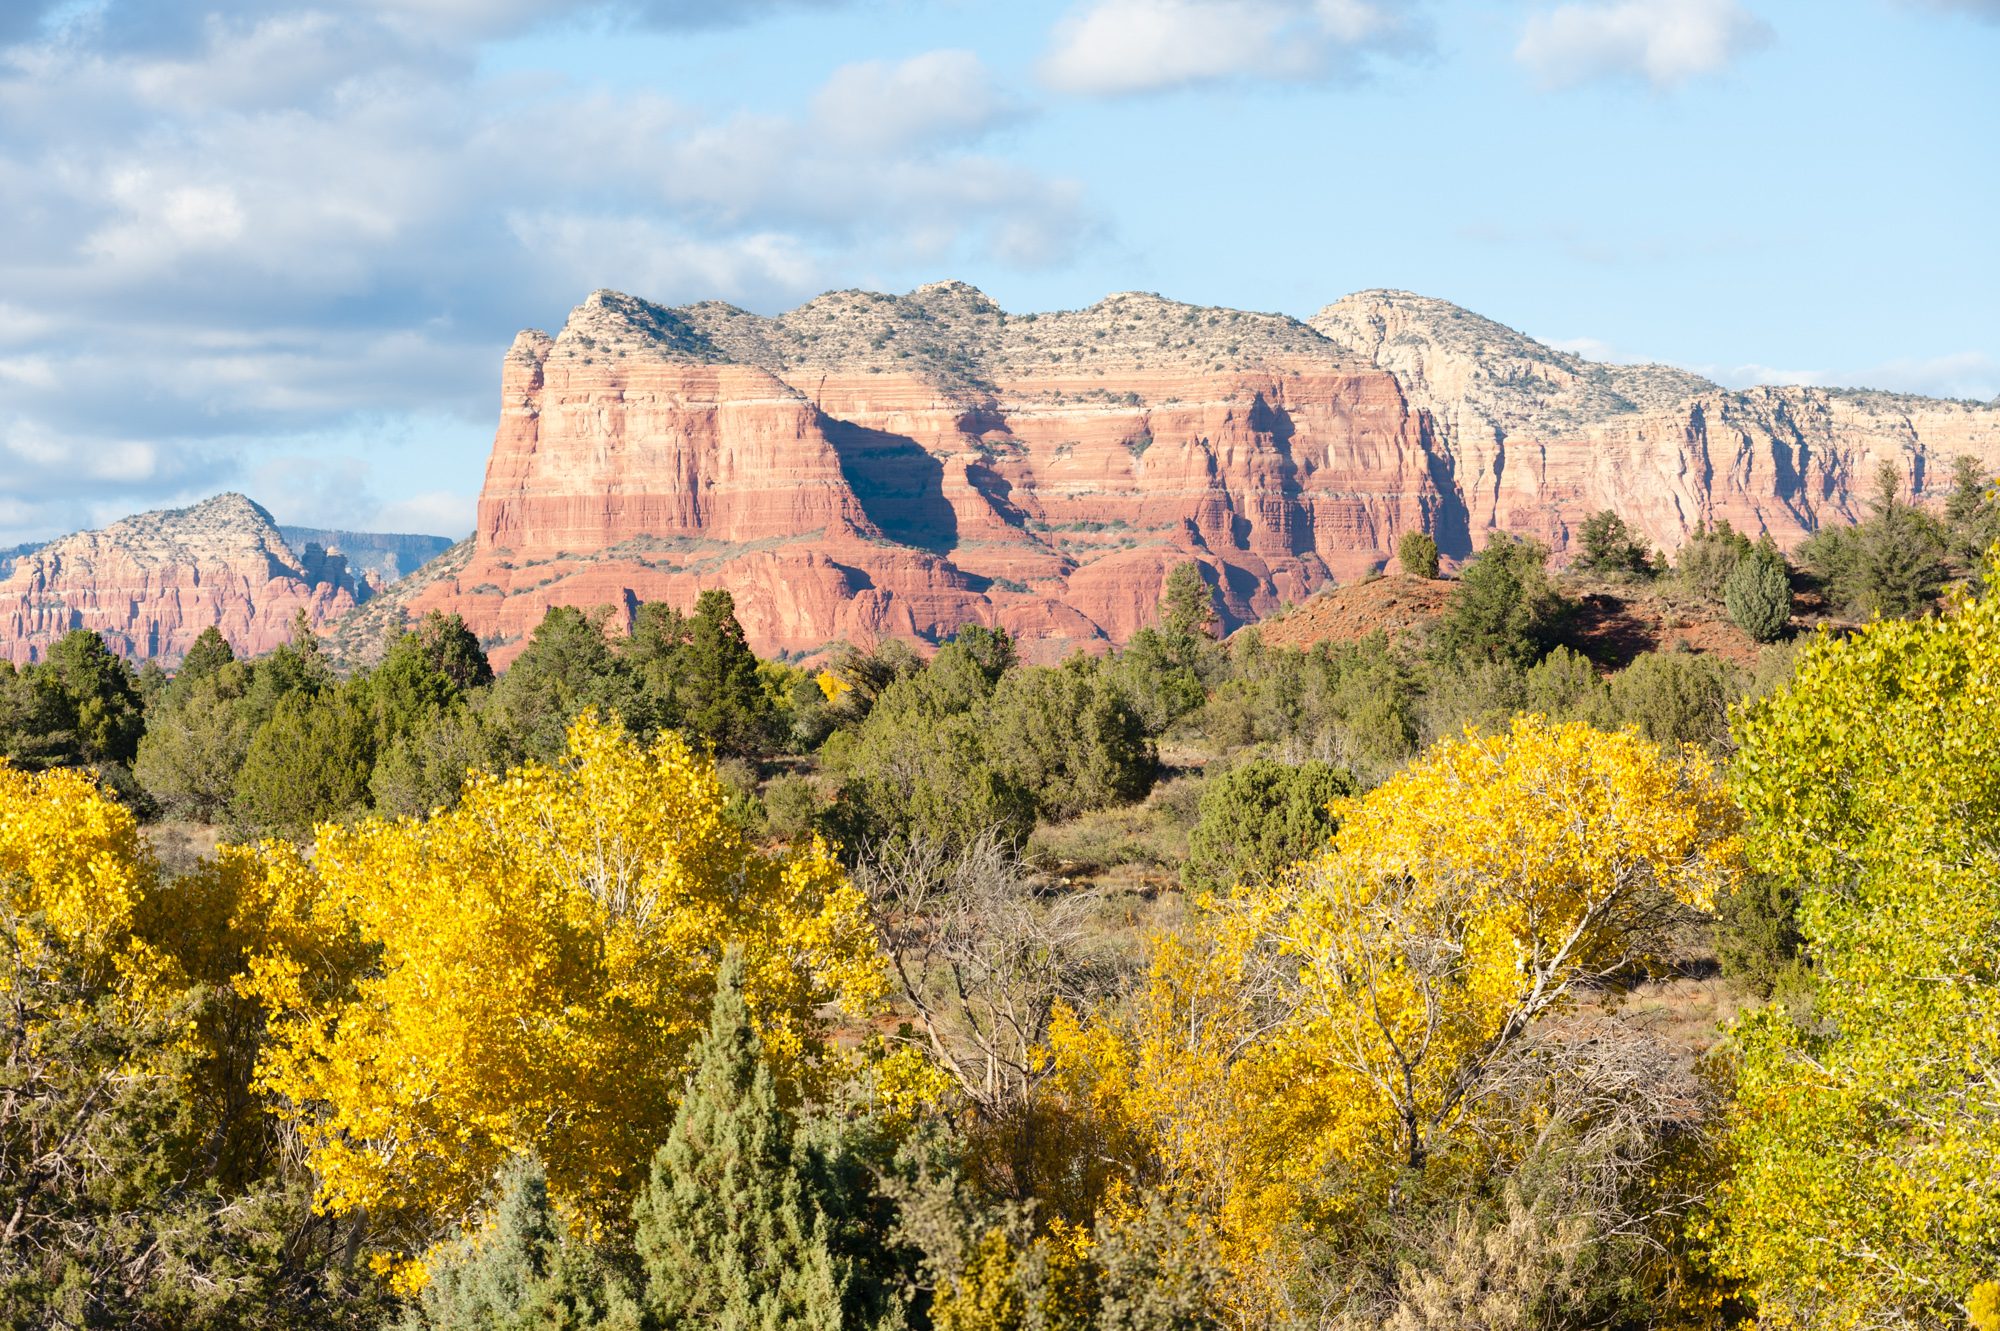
{"x":871,"y":465}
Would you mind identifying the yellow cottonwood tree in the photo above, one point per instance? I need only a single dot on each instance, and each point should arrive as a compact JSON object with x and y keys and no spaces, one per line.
{"x":1351,"y":1020}
{"x":1866,"y":1190}
{"x":72,"y":866}
{"x":547,"y":957}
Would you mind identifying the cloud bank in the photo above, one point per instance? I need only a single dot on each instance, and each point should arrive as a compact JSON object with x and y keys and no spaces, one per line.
{"x":235,"y":234}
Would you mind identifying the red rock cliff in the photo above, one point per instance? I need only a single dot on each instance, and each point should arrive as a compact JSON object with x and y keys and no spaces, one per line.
{"x":871,"y":465}
{"x":151,"y":583}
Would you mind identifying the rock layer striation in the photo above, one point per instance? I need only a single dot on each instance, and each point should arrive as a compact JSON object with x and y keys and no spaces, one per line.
{"x":150,"y":584}
{"x":870,"y":465}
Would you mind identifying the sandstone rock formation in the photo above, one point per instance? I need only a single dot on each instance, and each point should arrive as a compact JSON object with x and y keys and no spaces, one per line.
{"x":151,"y":583}
{"x":868,"y":465}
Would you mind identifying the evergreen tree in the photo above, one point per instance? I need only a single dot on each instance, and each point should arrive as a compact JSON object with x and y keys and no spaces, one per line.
{"x":726,"y":1231}
{"x":1187,"y":605}
{"x":1608,"y":546}
{"x":1070,"y":736}
{"x":1898,"y":569}
{"x":1260,"y":817}
{"x":525,"y":1272}
{"x":1504,"y":608}
{"x":723,"y":700}
{"x":196,"y":740}
{"x":567,"y":669}
{"x":210,"y":652}
{"x":1971,"y":514}
{"x":99,"y":706}
{"x":310,"y":762}
{"x":1417,"y":552}
{"x":1759,"y":594}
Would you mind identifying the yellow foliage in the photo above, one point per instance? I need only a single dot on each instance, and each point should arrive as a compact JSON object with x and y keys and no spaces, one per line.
{"x":547,"y":956}
{"x":831,"y":686}
{"x":72,"y":866}
{"x":1335,"y":1024}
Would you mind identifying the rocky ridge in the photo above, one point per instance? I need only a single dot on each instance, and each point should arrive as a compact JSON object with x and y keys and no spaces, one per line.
{"x":151,"y":583}
{"x":870,"y":464}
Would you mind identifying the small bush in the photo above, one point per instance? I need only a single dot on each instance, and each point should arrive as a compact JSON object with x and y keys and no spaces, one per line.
{"x":1759,"y":596}
{"x":1417,"y":552}
{"x":1259,"y":818}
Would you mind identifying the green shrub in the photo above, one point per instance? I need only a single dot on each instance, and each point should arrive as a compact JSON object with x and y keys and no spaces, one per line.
{"x":1417,"y":552}
{"x":1070,"y":737}
{"x":1504,"y":607}
{"x":1708,"y":558}
{"x":1759,"y":595}
{"x":1676,"y":698}
{"x":1260,"y":817}
{"x":1606,"y":545}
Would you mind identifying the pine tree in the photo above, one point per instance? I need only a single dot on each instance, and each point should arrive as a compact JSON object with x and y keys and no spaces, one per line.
{"x":210,"y":652}
{"x":728,"y":1236}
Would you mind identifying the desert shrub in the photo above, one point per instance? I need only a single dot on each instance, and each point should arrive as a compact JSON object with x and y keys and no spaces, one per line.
{"x":1758,"y":595}
{"x":1504,"y":608}
{"x":195,"y":743}
{"x":1565,"y":685}
{"x":1260,"y":817}
{"x":1675,"y":698}
{"x":1709,"y":557}
{"x":1417,"y":552}
{"x":1070,"y":737}
{"x":1606,"y":545}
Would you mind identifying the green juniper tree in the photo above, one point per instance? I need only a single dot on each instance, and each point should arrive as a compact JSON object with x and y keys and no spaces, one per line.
{"x":1758,"y":593}
{"x":525,"y":1272}
{"x":727,"y":1232}
{"x":1417,"y":552}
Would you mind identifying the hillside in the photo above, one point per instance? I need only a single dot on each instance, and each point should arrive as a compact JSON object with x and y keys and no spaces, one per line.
{"x":151,"y":583}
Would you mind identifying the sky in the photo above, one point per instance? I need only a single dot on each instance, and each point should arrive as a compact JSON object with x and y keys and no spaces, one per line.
{"x":282,"y":248}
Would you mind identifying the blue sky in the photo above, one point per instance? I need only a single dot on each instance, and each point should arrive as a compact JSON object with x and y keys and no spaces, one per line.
{"x":281,"y":248}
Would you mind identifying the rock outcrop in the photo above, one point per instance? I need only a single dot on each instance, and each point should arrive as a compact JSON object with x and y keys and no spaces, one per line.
{"x":151,"y":583}
{"x":869,"y":465}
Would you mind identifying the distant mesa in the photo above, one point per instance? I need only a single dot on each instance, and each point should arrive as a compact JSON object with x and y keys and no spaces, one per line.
{"x":150,"y":584}
{"x":871,"y":465}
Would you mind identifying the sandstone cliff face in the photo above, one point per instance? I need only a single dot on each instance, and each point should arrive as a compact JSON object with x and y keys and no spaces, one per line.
{"x":1539,"y":438}
{"x":869,"y":465}
{"x":151,"y":583}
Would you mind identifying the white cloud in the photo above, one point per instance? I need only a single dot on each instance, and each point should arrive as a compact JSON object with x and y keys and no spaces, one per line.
{"x":940,"y":96}
{"x":200,"y":260}
{"x":1664,"y":42}
{"x":1113,"y":47}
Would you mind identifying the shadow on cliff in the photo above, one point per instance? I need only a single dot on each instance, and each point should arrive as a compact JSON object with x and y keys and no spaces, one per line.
{"x":899,"y":484}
